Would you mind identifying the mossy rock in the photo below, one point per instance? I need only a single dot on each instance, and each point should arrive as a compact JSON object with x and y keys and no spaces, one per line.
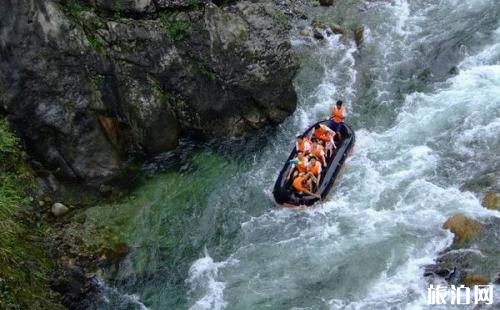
{"x":339,"y":29}
{"x":492,"y":201}
{"x":464,"y":228}
{"x":475,"y":279}
{"x":359,"y":35}
{"x":116,"y":254}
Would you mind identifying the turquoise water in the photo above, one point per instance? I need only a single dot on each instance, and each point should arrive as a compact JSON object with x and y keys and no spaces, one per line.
{"x":423,"y":94}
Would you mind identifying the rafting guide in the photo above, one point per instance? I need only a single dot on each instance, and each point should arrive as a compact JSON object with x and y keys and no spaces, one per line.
{"x":459,"y":295}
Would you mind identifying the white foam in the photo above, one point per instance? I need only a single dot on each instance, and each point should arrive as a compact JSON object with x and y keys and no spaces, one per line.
{"x":204,"y":288}
{"x":125,"y":299}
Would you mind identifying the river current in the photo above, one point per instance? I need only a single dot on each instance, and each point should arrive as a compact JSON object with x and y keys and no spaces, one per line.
{"x":423,"y":95}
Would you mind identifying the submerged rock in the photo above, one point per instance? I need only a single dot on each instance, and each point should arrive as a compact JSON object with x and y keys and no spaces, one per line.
{"x":338,"y":29}
{"x":484,"y":182}
{"x":359,"y":35}
{"x":318,"y":35}
{"x":475,"y":279}
{"x":464,"y":228}
{"x":326,"y":2}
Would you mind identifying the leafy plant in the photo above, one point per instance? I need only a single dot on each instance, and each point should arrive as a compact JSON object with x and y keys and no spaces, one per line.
{"x":9,"y":143}
{"x":202,"y":69}
{"x":117,"y":9}
{"x":177,"y":29}
{"x":74,"y":8}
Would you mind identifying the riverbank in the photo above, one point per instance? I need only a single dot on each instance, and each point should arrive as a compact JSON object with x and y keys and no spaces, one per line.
{"x":28,"y":257}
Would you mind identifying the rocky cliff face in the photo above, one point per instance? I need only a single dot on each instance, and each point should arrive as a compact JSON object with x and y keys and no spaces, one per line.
{"x":87,"y":83}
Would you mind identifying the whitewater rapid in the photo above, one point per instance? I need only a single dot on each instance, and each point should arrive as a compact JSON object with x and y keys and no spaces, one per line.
{"x":420,"y":137}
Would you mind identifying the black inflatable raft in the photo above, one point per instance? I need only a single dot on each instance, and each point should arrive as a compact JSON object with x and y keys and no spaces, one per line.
{"x":283,"y":192}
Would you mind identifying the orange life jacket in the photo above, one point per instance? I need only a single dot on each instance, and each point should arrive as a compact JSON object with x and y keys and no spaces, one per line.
{"x":298,"y":184}
{"x":304,"y":145}
{"x":338,"y":114}
{"x":322,"y":134}
{"x":302,"y":166}
{"x":318,"y":151}
{"x":316,"y":169}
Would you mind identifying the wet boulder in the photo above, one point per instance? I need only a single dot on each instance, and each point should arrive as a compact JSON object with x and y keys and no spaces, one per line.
{"x":492,"y":201}
{"x":475,"y":261}
{"x":475,"y":279}
{"x":339,"y":29}
{"x":359,"y":35}
{"x":464,"y":228}
{"x":326,"y":2}
{"x":318,"y":35}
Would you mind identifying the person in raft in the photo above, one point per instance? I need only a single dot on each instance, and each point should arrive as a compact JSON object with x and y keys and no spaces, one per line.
{"x":318,"y":151}
{"x":327,"y":135}
{"x":303,"y":144}
{"x":337,"y":117}
{"x":302,"y":184}
{"x":314,"y":167}
{"x":299,"y":165}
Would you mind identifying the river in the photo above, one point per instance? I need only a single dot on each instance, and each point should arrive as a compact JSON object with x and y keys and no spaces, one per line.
{"x":423,"y":95}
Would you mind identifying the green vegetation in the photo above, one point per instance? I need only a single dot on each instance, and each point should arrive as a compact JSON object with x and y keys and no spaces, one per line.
{"x":24,"y":267}
{"x":166,"y":96}
{"x":94,"y":42}
{"x":202,"y":70}
{"x":95,"y":80}
{"x":177,"y":28}
{"x":117,"y":9}
{"x":195,"y":4}
{"x":74,"y":8}
{"x":86,"y":17}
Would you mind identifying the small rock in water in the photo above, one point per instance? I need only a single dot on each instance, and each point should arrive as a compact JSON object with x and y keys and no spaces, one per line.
{"x":454,"y":70}
{"x":58,"y":209}
{"x":318,"y":35}
{"x":338,"y":29}
{"x":306,"y":32}
{"x":491,"y":201}
{"x":326,"y":2}
{"x":475,"y":279}
{"x":359,"y":34}
{"x":464,"y":228}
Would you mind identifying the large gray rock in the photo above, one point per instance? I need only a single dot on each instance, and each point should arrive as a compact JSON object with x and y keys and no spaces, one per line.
{"x":86,"y":88}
